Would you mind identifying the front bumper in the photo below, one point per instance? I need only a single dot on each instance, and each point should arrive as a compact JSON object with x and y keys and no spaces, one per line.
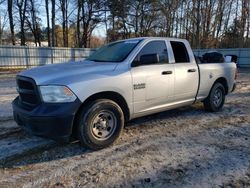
{"x":53,"y":121}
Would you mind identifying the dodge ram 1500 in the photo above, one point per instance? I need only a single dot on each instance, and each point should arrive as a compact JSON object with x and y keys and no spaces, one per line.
{"x":123,"y":80}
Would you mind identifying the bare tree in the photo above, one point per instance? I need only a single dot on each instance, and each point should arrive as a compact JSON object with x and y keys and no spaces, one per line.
{"x":64,"y":11}
{"x":243,"y":21}
{"x":48,"y":21}
{"x":11,"y":21}
{"x":53,"y":15}
{"x":3,"y":21}
{"x":22,"y":6}
{"x":228,"y":13}
{"x":78,"y":22}
{"x":205,"y":23}
{"x":248,"y":25}
{"x":90,"y":16}
{"x":32,"y":22}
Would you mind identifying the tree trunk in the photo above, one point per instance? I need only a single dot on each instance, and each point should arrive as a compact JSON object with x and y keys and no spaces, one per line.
{"x":48,"y":22}
{"x":244,"y":15}
{"x":1,"y":31}
{"x":53,"y":14}
{"x":248,"y":25}
{"x":198,"y":24}
{"x":228,"y":15}
{"x":219,"y":18}
{"x":10,"y":13}
{"x":78,"y":23}
{"x":22,"y":15}
{"x":106,"y":23}
{"x":33,"y":26}
{"x":66,"y":24}
{"x":62,"y":4}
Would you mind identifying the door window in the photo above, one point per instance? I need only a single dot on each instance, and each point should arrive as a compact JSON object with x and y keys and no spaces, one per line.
{"x":155,"y":47}
{"x":180,"y":52}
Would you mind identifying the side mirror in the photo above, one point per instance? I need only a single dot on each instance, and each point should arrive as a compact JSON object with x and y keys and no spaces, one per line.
{"x":147,"y":59}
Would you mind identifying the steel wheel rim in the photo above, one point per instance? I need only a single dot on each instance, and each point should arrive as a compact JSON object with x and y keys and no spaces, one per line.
{"x":103,"y":125}
{"x":217,"y":98}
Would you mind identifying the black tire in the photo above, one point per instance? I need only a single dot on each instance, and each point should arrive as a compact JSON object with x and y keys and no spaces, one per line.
{"x":216,"y":98}
{"x":97,"y":119}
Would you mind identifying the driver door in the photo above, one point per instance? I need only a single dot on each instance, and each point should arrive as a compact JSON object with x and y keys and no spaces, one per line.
{"x":152,"y":82}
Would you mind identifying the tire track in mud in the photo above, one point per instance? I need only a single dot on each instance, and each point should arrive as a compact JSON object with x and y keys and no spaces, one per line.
{"x":238,"y":182}
{"x":21,"y":144}
{"x":7,"y":94}
{"x":8,"y":128}
{"x":16,"y":143}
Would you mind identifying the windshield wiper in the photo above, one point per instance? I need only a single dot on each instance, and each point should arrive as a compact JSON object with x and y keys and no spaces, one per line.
{"x":96,"y":60}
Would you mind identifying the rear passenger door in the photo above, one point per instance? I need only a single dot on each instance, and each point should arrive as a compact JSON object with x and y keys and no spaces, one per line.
{"x":186,"y":73}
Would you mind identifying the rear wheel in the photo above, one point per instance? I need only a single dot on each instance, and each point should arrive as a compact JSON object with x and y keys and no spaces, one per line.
{"x":100,"y":123}
{"x":215,"y":101}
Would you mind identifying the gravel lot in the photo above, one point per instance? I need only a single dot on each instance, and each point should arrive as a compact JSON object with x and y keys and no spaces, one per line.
{"x":7,"y":94}
{"x":187,"y":147}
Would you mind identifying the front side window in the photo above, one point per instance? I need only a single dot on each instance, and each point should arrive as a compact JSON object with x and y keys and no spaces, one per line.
{"x":155,"y":47}
{"x":114,"y":52}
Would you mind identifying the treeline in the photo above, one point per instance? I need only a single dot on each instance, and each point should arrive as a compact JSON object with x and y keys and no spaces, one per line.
{"x":70,"y":23}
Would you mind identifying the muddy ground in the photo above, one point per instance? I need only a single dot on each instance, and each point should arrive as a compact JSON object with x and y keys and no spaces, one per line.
{"x":187,"y":147}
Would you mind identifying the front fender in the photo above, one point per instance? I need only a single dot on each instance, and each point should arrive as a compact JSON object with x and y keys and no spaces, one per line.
{"x":119,"y":83}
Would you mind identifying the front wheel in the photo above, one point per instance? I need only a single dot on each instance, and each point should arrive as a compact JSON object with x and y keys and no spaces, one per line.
{"x":216,"y":98}
{"x":100,"y":123}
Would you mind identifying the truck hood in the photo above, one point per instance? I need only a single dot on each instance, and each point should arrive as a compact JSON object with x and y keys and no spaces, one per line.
{"x":61,"y":73}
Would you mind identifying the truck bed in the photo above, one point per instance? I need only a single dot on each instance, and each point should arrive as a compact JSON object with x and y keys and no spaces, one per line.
{"x":209,"y":72}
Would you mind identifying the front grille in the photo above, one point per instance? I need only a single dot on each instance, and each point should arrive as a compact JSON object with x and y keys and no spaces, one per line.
{"x":27,"y":90}
{"x":24,"y":84}
{"x":28,"y":98}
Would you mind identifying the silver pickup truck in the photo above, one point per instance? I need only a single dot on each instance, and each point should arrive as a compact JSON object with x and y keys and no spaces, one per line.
{"x":123,"y":80}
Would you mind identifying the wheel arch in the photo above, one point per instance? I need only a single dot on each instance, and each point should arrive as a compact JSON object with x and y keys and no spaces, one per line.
{"x":111,"y":95}
{"x":223,"y":81}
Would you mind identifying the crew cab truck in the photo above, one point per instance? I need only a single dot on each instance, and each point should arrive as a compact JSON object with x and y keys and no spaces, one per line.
{"x":121,"y":81}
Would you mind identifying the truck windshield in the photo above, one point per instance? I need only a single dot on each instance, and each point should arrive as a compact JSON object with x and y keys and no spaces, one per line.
{"x":114,"y":52}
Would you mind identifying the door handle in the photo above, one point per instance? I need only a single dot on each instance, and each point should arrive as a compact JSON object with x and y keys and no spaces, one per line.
{"x":166,"y":72}
{"x":191,"y":70}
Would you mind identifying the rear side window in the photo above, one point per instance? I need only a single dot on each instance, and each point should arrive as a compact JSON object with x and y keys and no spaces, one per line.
{"x":180,"y":52}
{"x":155,"y":47}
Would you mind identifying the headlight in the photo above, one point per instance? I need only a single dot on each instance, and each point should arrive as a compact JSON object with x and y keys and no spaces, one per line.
{"x":57,"y":94}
